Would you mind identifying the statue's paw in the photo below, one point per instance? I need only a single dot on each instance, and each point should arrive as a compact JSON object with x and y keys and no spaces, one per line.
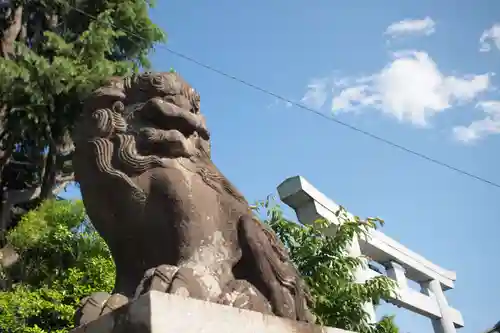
{"x":114,"y":302}
{"x":188,"y":284}
{"x":173,"y":280}
{"x":90,"y":308}
{"x":243,"y":295}
{"x":96,"y":305}
{"x":157,"y":278}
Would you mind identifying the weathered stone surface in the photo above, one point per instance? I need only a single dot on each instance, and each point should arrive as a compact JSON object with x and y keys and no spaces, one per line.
{"x":173,"y":222}
{"x":157,"y":312}
{"x":8,"y":256}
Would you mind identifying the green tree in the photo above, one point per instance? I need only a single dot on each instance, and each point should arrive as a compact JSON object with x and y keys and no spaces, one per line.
{"x":329,"y":271}
{"x":62,"y":259}
{"x":52,"y":54}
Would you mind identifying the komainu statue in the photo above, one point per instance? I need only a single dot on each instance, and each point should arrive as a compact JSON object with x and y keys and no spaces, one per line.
{"x":171,"y":219}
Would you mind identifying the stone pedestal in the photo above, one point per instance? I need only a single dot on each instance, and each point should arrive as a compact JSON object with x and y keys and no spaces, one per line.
{"x":164,"y":313}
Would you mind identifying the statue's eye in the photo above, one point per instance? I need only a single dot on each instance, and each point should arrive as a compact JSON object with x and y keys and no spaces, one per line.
{"x":157,"y":81}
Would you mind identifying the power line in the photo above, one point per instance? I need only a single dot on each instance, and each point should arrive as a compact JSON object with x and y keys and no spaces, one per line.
{"x":301,"y":106}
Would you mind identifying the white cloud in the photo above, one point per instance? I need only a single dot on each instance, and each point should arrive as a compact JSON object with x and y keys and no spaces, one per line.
{"x":481,"y":128}
{"x":425,"y":26}
{"x":353,"y":97}
{"x":316,"y":94}
{"x":489,"y":37}
{"x":411,"y":88}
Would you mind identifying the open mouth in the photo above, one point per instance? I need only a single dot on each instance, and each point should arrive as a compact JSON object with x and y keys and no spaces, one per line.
{"x":161,"y":114}
{"x":165,"y":143}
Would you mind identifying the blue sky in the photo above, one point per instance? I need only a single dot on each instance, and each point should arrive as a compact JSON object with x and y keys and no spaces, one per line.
{"x":426,"y":83}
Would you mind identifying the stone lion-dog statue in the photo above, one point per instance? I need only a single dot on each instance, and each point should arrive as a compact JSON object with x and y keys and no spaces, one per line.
{"x":171,"y":219}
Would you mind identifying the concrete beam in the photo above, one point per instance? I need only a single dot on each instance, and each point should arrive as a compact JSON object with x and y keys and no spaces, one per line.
{"x":310,"y":205}
{"x":419,"y":303}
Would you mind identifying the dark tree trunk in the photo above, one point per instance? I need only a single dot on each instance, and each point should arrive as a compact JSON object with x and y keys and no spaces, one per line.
{"x":27,"y":179}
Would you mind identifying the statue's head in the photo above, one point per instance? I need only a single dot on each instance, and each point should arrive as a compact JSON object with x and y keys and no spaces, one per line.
{"x":151,"y":114}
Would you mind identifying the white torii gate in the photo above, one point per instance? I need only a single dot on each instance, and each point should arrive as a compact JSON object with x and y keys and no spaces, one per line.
{"x":401,"y":264}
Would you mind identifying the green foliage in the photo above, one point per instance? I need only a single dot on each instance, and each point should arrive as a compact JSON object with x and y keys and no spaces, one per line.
{"x":323,"y":261}
{"x":54,"y":67}
{"x":63,"y":259}
{"x":386,"y":325}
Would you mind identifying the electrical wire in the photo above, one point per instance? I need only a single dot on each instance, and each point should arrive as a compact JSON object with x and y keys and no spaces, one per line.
{"x":303,"y":107}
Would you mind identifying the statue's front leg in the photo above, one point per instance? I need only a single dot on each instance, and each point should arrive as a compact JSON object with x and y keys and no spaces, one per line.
{"x":267,"y":266}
